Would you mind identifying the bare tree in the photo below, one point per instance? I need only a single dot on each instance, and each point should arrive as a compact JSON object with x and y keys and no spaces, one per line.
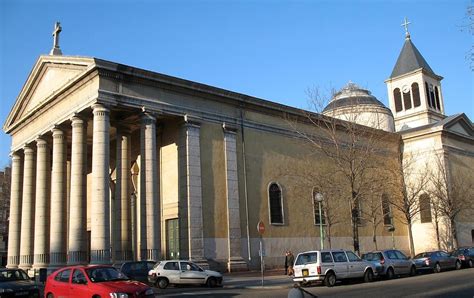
{"x":372,"y":212}
{"x":452,"y":192}
{"x":414,"y":180}
{"x":353,"y":149}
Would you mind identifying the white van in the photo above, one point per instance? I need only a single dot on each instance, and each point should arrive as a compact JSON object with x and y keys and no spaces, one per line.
{"x":331,"y":265}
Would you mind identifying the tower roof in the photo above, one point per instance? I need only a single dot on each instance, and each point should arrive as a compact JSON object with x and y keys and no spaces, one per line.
{"x":409,"y":60}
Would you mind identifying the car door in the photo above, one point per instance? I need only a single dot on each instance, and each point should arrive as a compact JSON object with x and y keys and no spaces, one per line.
{"x":446,"y":260}
{"x":60,"y":285}
{"x":79,"y":284}
{"x":404,"y":263}
{"x":393,"y":260}
{"x":341,"y":265}
{"x":191,"y":273}
{"x":356,"y":266}
{"x":171,"y":272}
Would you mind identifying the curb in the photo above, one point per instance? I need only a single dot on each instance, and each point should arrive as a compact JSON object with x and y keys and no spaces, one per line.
{"x":275,"y":287}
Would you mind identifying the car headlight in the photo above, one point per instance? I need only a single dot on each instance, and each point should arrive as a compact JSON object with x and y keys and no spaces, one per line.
{"x":149,"y":292}
{"x":118,"y":295}
{"x":6,"y":291}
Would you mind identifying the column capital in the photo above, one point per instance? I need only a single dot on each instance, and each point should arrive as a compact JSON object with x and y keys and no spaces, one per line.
{"x":192,"y":120}
{"x":100,"y":109}
{"x":41,"y":142}
{"x":15,"y":155}
{"x":58,"y":132}
{"x":229,"y":128}
{"x":148,"y":118}
{"x":28,"y":149}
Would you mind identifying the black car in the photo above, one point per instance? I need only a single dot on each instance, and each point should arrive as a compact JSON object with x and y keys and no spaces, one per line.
{"x":137,"y":270}
{"x":465,"y":255}
{"x":16,"y":283}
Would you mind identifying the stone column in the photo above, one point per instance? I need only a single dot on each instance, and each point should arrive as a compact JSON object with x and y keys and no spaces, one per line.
{"x":122,"y":196}
{"x":58,"y":232}
{"x":150,"y":187}
{"x":15,"y":212}
{"x":191,"y":223}
{"x":100,"y":204}
{"x":77,"y":244}
{"x":235,"y":262}
{"x":28,"y":208}
{"x":43,"y":184}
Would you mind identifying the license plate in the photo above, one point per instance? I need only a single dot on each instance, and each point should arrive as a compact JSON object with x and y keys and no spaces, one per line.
{"x":305,"y":272}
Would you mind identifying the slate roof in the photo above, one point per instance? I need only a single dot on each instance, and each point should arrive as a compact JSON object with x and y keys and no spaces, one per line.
{"x":409,"y":60}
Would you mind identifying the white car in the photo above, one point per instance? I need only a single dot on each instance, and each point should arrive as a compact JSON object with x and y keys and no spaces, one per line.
{"x":182,"y":272}
{"x":331,"y":265}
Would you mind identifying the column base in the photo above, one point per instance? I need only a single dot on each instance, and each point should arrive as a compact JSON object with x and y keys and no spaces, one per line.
{"x":237,"y":264}
{"x":77,"y":258}
{"x":153,"y":254}
{"x":101,"y":256}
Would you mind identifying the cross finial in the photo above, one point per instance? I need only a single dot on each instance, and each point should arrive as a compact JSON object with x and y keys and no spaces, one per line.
{"x":405,"y":24}
{"x":56,"y":50}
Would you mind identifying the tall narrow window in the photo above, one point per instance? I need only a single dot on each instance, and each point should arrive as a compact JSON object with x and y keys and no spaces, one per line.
{"x":427,"y":91}
{"x":407,"y":100}
{"x":398,"y":99}
{"x":425,"y":208}
{"x":386,"y":210}
{"x":416,"y":94}
{"x":276,"y":204}
{"x":318,"y":217}
{"x":438,"y":105}
{"x":432,"y":97}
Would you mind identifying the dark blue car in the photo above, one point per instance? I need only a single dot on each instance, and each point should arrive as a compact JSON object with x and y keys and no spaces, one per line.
{"x":436,"y":261}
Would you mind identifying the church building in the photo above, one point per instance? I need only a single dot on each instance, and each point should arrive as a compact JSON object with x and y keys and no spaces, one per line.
{"x":112,"y":163}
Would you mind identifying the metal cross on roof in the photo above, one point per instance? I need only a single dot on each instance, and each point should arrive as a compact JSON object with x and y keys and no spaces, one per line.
{"x":405,"y":24}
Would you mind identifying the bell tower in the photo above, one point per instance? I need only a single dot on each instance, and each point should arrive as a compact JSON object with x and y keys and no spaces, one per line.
{"x":414,"y":90}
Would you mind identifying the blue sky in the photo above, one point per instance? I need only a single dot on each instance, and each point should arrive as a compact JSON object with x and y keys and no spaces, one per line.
{"x":269,"y":49}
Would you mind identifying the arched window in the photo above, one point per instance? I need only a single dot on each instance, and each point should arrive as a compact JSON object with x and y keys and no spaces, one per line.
{"x":425,"y":208}
{"x":432,"y":97}
{"x":427,"y":90}
{"x":416,"y":94}
{"x":386,"y":210}
{"x":318,"y":218}
{"x":276,"y":204}
{"x":407,"y":100}
{"x":438,"y":105}
{"x":398,"y":99}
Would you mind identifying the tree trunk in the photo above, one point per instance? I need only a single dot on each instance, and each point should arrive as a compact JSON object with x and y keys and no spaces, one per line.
{"x":454,"y":233}
{"x":328,"y":235}
{"x":437,"y":232}
{"x":374,"y":235}
{"x":410,"y":237}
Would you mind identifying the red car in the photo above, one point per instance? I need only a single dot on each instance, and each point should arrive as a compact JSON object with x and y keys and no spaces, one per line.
{"x":93,"y":281}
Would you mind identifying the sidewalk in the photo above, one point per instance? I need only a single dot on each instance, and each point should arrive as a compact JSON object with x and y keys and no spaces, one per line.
{"x":273,"y":279}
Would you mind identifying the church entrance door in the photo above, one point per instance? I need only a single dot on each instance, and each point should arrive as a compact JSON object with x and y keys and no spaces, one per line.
{"x":172,"y":239}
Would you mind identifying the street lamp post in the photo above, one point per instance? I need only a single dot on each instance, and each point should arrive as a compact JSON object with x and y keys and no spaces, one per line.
{"x":319,"y":198}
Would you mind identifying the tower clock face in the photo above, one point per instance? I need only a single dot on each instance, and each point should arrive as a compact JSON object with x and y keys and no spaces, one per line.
{"x":405,"y":89}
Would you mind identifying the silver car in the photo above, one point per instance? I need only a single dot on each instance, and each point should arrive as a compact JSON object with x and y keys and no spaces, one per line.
{"x":182,"y":272}
{"x":390,"y":263}
{"x":331,"y":265}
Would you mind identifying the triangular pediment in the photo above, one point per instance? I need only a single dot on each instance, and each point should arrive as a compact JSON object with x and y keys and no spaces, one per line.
{"x":460,"y":125}
{"x":49,"y":76}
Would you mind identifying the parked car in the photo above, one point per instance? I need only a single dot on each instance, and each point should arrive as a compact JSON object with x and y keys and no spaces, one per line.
{"x":16,"y":283}
{"x":93,"y":281}
{"x":182,"y":272}
{"x":436,"y":261}
{"x":329,"y":266}
{"x":390,"y":263}
{"x":137,"y":270}
{"x":465,"y":255}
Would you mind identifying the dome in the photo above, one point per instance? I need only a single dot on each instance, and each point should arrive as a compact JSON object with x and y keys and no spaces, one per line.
{"x":358,"y":105}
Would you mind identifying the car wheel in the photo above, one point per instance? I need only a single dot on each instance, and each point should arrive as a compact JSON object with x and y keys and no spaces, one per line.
{"x":390,"y":274}
{"x":211,"y":282}
{"x":368,"y":276}
{"x":412,"y":271}
{"x":470,"y":264}
{"x":162,"y":283}
{"x":458,"y":265}
{"x":330,"y":279}
{"x":437,"y":268}
{"x":49,"y":295}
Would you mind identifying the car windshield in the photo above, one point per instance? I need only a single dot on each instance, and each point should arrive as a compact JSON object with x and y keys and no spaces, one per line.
{"x":371,"y":256}
{"x":423,"y":255}
{"x":11,"y":275}
{"x":306,"y":258}
{"x":101,"y":274}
